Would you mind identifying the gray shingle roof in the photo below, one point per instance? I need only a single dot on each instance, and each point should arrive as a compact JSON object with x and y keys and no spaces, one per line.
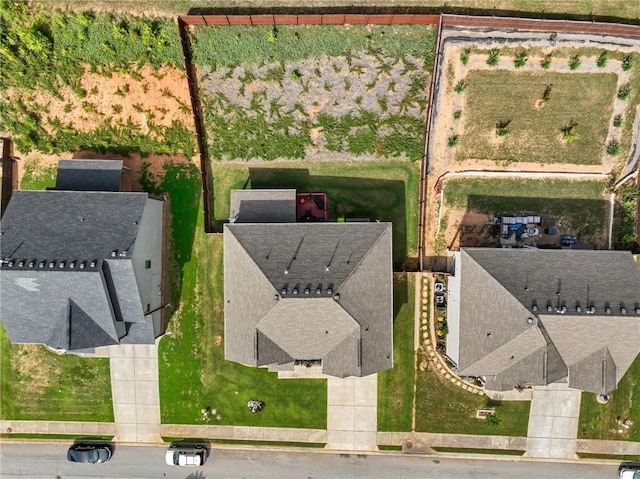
{"x":294,"y":282}
{"x":89,"y":175}
{"x":263,"y":206}
{"x":499,"y":289}
{"x":67,"y":279}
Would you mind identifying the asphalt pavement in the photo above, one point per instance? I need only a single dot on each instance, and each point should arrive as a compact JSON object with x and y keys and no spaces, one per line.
{"x":48,"y":461}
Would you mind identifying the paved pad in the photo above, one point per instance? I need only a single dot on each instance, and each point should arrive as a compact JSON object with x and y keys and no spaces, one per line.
{"x":134,"y":388}
{"x":553,"y":422}
{"x":352,"y":415}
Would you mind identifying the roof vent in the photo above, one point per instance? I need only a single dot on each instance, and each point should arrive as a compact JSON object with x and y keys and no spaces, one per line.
{"x":592,"y":309}
{"x":295,"y":290}
{"x":578,"y":308}
{"x":72,"y":264}
{"x":83,"y":264}
{"x":307,"y":290}
{"x":92,"y":264}
{"x":276,"y":297}
{"x":61,"y":264}
{"x":534,"y":308}
{"x":318,"y":290}
{"x":327,"y":268}
{"x":123,"y":253}
{"x":286,"y":271}
{"x":337,"y":297}
{"x":329,"y":291}
{"x":530,"y":320}
{"x":21,"y":264}
{"x":563,"y":310}
{"x":607,"y":310}
{"x":32,"y":264}
{"x":11,"y":263}
{"x":549,"y":308}
{"x":623,"y":310}
{"x":41,"y":264}
{"x":52,"y":264}
{"x":637,"y":310}
{"x":283,"y":291}
{"x":114,"y":253}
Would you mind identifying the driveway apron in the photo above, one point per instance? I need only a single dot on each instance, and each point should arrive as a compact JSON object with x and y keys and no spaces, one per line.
{"x":352,"y":413}
{"x":134,"y":388}
{"x":553,"y":422}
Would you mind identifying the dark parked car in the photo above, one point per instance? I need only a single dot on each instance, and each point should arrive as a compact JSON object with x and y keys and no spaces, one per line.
{"x":89,"y":453}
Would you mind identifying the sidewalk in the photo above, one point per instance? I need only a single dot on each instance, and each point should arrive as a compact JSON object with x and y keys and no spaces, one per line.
{"x":616,"y":448}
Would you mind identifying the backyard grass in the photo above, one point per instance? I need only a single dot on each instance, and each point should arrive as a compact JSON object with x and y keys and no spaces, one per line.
{"x":307,"y":92}
{"x":37,"y":177}
{"x":578,"y":206}
{"x":40,"y":385}
{"x":598,"y":421}
{"x":193,"y":372}
{"x":536,"y":131}
{"x":379,"y":190}
{"x":395,"y":386}
{"x":467,"y":450}
{"x":443,"y":407}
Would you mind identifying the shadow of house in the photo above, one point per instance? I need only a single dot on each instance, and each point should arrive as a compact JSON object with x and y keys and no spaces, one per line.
{"x":348,"y":197}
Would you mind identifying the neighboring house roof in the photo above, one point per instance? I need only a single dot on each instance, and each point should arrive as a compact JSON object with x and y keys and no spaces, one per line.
{"x":67,"y":276}
{"x":308,"y":291}
{"x":89,"y":175}
{"x":263,"y":206}
{"x":525,"y":316}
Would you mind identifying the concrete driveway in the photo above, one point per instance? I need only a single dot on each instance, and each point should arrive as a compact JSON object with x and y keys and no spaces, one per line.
{"x":352,"y":413}
{"x":134,"y":389}
{"x":553,"y":422}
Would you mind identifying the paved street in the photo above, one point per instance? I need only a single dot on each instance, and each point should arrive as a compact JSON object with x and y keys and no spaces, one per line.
{"x":47,"y":461}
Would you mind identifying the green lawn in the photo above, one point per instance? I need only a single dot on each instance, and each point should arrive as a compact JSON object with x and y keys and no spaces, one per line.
{"x":193,"y":371}
{"x":578,"y":206}
{"x":395,"y":387}
{"x":467,"y":450}
{"x":446,"y":408}
{"x":598,"y":421}
{"x":535,"y":134}
{"x":40,"y":385}
{"x":37,"y":177}
{"x":382,"y":190}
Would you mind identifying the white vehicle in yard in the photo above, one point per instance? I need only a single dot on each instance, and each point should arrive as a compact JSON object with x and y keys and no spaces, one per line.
{"x":188,"y":456}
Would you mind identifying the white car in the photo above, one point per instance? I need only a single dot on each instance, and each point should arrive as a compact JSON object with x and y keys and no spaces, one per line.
{"x":191,"y":456}
{"x":629,"y":472}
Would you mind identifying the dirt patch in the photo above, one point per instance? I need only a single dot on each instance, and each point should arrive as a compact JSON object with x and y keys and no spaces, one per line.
{"x":154,"y":98}
{"x":27,"y":360}
{"x":468,"y":228}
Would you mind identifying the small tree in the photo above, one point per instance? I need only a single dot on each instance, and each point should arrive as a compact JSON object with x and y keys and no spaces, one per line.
{"x":575,"y":62}
{"x":546,"y":62}
{"x":494,"y":56}
{"x":613,"y":147}
{"x":457,"y":114}
{"x":493,"y":419}
{"x":569,"y":133}
{"x":502,"y":128}
{"x":624,"y":91}
{"x":602,"y":60}
{"x":520,"y":60}
{"x":546,"y":94}
{"x":627,"y":63}
{"x":460,"y":86}
{"x":464,"y":56}
{"x":453,"y":141}
{"x":617,"y":121}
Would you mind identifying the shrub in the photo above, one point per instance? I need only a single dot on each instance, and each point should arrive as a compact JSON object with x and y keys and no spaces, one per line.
{"x":464,"y":56}
{"x":627,"y":63}
{"x":494,"y":56}
{"x":457,"y":114}
{"x":613,"y":148}
{"x":546,"y":62}
{"x":502,"y":128}
{"x":453,"y":141}
{"x":602,"y":60}
{"x":569,"y":133}
{"x":460,"y":86}
{"x":520,"y":60}
{"x":624,"y":91}
{"x":617,"y":121}
{"x":546,"y":94}
{"x":493,"y":419}
{"x":575,"y":62}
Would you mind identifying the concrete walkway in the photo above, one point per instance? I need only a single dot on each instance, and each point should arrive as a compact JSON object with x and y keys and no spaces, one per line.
{"x":553,"y":422}
{"x":134,"y":389}
{"x":352,"y":413}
